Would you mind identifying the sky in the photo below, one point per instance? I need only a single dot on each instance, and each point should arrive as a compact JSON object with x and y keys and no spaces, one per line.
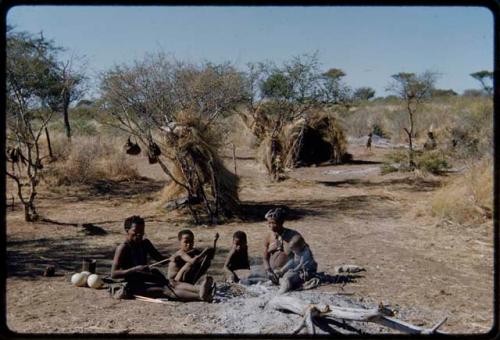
{"x":368,"y":43}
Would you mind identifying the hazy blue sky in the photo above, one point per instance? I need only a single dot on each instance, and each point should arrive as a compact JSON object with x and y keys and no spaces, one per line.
{"x":368,"y":43}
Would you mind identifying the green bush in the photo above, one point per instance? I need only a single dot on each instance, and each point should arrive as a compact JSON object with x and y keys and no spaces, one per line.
{"x":396,"y":161}
{"x":83,"y":127}
{"x":377,"y":130}
{"x":387,"y":168}
{"x":398,"y":156}
{"x":429,"y":161}
{"x":432,"y":161}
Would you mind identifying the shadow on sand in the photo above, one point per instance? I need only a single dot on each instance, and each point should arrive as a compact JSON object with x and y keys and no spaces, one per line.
{"x":404,"y":184}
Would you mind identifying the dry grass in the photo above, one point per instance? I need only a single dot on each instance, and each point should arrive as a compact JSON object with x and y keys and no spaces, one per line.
{"x":88,"y":159}
{"x":473,"y":117}
{"x":469,"y":197}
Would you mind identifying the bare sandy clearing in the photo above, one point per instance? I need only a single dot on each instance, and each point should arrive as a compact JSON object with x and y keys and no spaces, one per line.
{"x":425,"y":267}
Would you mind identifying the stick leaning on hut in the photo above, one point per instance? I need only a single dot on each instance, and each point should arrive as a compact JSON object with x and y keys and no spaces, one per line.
{"x":323,"y":314}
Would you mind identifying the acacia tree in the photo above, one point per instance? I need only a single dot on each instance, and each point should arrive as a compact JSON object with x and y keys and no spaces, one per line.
{"x":70,"y":88}
{"x":30,"y":72}
{"x":363,"y":93}
{"x":150,"y":97}
{"x":335,"y":91}
{"x":412,"y":89}
{"x":486,"y":79}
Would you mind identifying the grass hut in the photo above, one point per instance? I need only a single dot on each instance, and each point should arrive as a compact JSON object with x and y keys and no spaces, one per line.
{"x":201,"y":179}
{"x":314,"y":140}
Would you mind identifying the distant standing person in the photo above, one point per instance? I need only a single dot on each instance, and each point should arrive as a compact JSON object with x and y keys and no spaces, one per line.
{"x":277,"y":250}
{"x":430,"y":143}
{"x":369,"y":141}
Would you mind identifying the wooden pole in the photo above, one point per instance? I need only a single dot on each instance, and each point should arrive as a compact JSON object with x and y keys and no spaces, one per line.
{"x":234,"y":158}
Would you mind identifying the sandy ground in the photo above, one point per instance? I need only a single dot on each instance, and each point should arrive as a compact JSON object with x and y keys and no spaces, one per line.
{"x":349,"y":214}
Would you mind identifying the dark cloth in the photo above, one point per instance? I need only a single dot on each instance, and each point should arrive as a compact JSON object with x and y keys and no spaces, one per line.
{"x":238,"y":261}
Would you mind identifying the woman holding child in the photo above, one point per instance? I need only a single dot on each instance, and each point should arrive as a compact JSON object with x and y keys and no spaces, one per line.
{"x":286,"y":254}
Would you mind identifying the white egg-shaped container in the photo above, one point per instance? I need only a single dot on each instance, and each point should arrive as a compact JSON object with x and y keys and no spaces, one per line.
{"x":94,"y":281}
{"x":78,"y":280}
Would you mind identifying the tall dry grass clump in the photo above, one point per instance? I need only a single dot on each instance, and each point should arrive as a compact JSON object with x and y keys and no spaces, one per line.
{"x":468,"y":198}
{"x":193,"y":149}
{"x":89,"y":159}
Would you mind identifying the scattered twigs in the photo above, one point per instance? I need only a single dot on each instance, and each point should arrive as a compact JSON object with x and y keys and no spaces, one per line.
{"x":319,"y":312}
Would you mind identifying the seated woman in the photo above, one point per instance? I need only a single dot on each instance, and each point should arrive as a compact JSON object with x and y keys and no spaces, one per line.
{"x":131,"y":264}
{"x":277,"y":250}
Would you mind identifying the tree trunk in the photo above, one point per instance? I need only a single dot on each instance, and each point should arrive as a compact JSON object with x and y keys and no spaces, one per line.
{"x":48,"y":143}
{"x":411,"y":161}
{"x":30,"y":214}
{"x":67,"y":127}
{"x":27,"y":215}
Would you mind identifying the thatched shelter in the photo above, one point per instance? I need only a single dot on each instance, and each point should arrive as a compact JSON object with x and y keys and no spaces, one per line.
{"x":201,"y":179}
{"x":313,"y":140}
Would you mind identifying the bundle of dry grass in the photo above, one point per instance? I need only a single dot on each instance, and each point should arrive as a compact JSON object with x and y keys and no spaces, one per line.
{"x":199,"y":173}
{"x":469,"y":197}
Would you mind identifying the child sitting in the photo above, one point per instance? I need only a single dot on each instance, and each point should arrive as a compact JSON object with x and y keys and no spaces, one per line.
{"x":130,"y":264}
{"x":300,"y":268}
{"x":237,"y":265}
{"x":189,"y":264}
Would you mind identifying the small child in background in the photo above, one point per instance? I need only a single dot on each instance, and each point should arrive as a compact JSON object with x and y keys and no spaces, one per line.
{"x":237,"y":265}
{"x":369,"y":141}
{"x":299,"y":269}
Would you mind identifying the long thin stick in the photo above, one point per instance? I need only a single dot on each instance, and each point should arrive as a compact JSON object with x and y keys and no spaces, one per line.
{"x":234,"y":158}
{"x":147,"y":299}
{"x":160,"y":262}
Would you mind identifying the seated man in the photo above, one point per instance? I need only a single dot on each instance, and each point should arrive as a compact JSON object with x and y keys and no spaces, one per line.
{"x":189,"y":264}
{"x":131,"y":264}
